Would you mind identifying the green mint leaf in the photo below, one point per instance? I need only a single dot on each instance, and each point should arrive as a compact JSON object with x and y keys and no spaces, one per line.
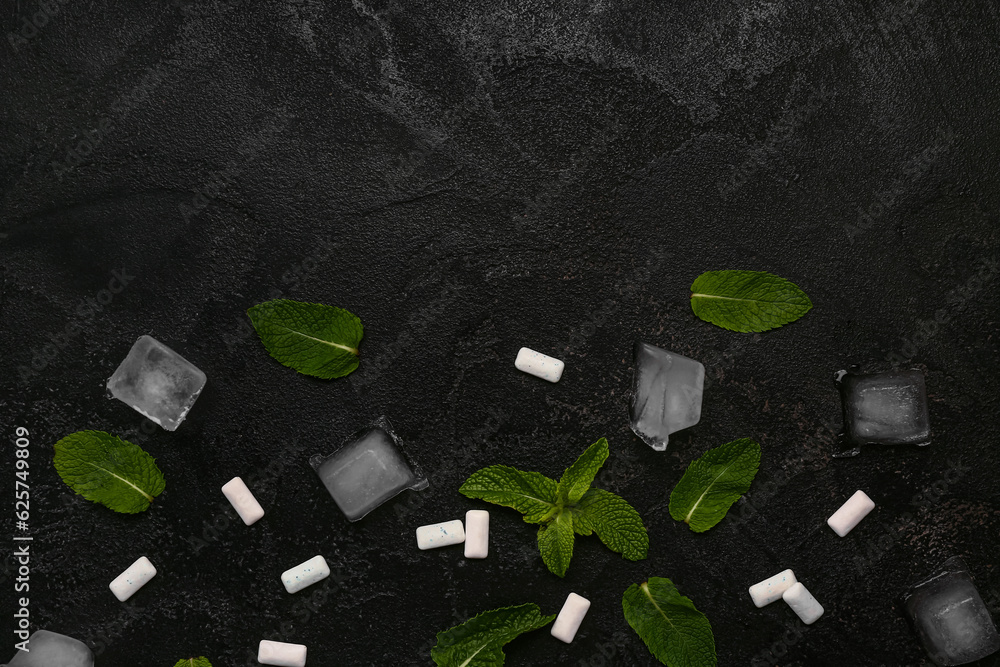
{"x":712,"y":483}
{"x":193,"y":662}
{"x":479,"y":641}
{"x":108,"y":470}
{"x":579,"y":476}
{"x":567,"y":508}
{"x":314,"y":339}
{"x":581,"y":526}
{"x":530,"y":493}
{"x":677,"y":634}
{"x":555,"y":542}
{"x":747,"y":301}
{"x":615,"y":521}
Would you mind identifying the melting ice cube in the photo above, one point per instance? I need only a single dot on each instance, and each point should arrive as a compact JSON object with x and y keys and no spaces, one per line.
{"x":51,"y":649}
{"x":950,"y":616}
{"x":884,"y":408}
{"x":666,"y":394}
{"x":157,"y":382}
{"x":367,"y":471}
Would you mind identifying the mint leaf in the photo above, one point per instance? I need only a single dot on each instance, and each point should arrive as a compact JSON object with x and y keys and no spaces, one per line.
{"x":579,"y":476}
{"x":676,"y":633}
{"x":712,"y":483}
{"x":555,"y":542}
{"x":565,"y":508}
{"x":615,"y":521}
{"x":193,"y":662}
{"x":108,"y":470}
{"x":314,"y":339}
{"x":479,"y":641}
{"x":747,"y":301}
{"x":530,"y":493}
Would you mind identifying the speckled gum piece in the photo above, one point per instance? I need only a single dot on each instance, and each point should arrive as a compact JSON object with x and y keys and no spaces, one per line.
{"x":539,"y":365}
{"x":440,"y":534}
{"x":305,"y":574}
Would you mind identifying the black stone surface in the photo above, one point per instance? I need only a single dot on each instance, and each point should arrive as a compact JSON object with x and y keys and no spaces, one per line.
{"x":469,"y":178}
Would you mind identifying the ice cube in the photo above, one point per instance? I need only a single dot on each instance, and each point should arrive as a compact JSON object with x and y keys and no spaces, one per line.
{"x":950,"y":617}
{"x":666,"y":394}
{"x":51,"y":649}
{"x":884,"y":408}
{"x":368,"y":470}
{"x":157,"y":382}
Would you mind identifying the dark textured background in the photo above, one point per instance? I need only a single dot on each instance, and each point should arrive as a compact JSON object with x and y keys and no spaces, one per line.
{"x":469,"y":178}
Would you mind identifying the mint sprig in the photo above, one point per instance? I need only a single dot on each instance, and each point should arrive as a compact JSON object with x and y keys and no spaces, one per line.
{"x":674,"y":631}
{"x":712,"y":483}
{"x":747,"y":301}
{"x":108,"y":470}
{"x":565,"y":508}
{"x":479,"y":641}
{"x":193,"y":662}
{"x":314,"y":339}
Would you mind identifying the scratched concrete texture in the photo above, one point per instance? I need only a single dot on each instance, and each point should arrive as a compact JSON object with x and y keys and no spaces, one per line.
{"x":468,"y":178}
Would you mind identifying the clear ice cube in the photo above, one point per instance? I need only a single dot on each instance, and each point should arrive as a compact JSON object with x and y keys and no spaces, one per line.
{"x":666,"y":394}
{"x":950,"y":617}
{"x":369,"y":469}
{"x":885,"y":408}
{"x":51,"y":649}
{"x":157,"y":382}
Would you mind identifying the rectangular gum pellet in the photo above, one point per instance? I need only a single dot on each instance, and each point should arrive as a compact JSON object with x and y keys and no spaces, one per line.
{"x":440,"y":534}
{"x":135,"y":577}
{"x":242,"y":500}
{"x":770,"y":590}
{"x":851,"y":513}
{"x":539,"y":365}
{"x":281,"y":654}
{"x":803,"y":603}
{"x":477,"y":534}
{"x":305,"y":574}
{"x":570,"y":617}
